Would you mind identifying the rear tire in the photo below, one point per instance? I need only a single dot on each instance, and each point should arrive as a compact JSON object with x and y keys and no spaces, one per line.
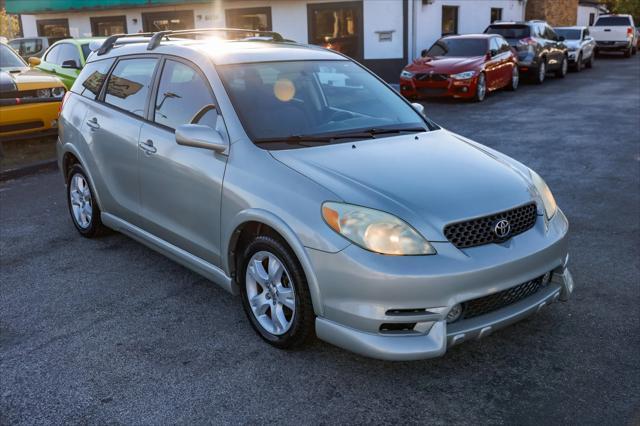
{"x":82,"y":204}
{"x":515,"y":79}
{"x":272,"y":282}
{"x":540,"y":73}
{"x":592,"y":58}
{"x":564,"y":67}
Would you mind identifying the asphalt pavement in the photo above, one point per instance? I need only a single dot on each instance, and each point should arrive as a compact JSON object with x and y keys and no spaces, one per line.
{"x":108,"y":331}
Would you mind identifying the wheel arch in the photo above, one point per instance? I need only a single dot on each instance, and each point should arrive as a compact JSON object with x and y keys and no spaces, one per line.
{"x":70,"y":156}
{"x":258,"y":222}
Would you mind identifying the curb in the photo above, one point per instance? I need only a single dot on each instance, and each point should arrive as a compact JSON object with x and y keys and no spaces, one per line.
{"x":29,"y":169}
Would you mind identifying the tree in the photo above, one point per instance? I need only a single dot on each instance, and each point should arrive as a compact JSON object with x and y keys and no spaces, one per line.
{"x":9,"y":25}
{"x":632,"y":7}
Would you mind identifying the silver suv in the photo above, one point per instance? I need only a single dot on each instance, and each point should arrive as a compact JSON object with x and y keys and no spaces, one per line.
{"x":296,"y":178}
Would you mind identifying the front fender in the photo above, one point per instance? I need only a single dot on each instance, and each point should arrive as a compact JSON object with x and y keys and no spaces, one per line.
{"x":280,"y":226}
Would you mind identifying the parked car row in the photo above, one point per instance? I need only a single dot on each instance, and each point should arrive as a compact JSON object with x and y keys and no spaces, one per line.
{"x":470,"y":66}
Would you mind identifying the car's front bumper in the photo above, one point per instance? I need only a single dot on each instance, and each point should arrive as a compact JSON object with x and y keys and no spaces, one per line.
{"x":415,"y":89}
{"x":363,"y":292}
{"x":29,"y":119}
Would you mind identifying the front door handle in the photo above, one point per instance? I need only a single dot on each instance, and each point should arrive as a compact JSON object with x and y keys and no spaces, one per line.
{"x":93,"y":123}
{"x":147,"y":146}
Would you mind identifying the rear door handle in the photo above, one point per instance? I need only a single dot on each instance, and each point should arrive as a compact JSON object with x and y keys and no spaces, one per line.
{"x":93,"y":123}
{"x":147,"y":146}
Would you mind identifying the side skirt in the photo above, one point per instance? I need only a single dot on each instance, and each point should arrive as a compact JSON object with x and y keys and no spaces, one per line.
{"x":196,"y":264}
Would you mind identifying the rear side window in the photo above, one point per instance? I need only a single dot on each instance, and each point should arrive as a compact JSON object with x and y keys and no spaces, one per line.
{"x":129,"y":83}
{"x":510,"y":31}
{"x":182,"y":92}
{"x":90,"y":80}
{"x":612,"y":21}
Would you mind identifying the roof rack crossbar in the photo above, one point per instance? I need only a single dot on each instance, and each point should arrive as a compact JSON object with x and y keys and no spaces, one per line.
{"x":157,"y":37}
{"x":108,"y":44}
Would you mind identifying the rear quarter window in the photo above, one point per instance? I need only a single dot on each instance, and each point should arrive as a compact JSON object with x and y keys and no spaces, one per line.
{"x":510,"y":31}
{"x":91,"y":79}
{"x":613,"y":21}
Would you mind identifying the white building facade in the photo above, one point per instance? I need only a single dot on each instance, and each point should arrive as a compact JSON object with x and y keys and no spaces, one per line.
{"x":382,"y":34}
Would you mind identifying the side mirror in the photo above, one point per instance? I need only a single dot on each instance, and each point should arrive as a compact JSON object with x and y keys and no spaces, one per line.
{"x":423,"y":53}
{"x":561,"y":38}
{"x":70,"y":64}
{"x":200,"y":136}
{"x":493,"y":52}
{"x":418,"y":107}
{"x":34,"y":61}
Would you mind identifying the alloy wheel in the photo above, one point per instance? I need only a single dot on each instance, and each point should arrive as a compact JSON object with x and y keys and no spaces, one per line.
{"x":515,"y":78}
{"x":565,"y":66}
{"x":542,"y":72}
{"x":481,"y":88}
{"x":81,"y":202}
{"x":270,"y":293}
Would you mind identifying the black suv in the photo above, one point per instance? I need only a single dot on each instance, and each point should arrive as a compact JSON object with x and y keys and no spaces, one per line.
{"x":539,"y":48}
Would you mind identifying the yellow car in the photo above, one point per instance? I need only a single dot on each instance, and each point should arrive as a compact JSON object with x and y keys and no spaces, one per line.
{"x":29,"y":99}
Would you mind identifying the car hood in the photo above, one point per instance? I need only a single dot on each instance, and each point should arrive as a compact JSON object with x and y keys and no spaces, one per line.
{"x":27,"y":79}
{"x":444,"y":65}
{"x":572,"y":44}
{"x":429,"y":182}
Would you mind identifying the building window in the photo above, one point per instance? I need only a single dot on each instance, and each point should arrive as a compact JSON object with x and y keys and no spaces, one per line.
{"x":255,"y":18}
{"x":592,"y":19}
{"x":53,"y":27}
{"x":175,"y":20}
{"x":496,"y":14}
{"x":449,"y":20}
{"x":108,"y":25}
{"x":337,"y":26}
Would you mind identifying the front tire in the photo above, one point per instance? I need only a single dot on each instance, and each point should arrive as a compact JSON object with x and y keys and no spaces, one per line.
{"x":579,"y":63}
{"x":564,"y":67}
{"x":515,"y":79}
{"x":481,"y":88}
{"x":591,"y":59}
{"x":82,"y":204}
{"x":275,"y":295}
{"x":541,"y":72}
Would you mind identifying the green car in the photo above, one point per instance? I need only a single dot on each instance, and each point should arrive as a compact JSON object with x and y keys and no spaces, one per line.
{"x":65,"y":58}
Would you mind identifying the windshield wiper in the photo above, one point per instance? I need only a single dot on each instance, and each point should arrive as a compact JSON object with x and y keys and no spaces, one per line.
{"x":360,"y":134}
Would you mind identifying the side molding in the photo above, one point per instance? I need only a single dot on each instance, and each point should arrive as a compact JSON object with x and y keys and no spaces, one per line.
{"x":176,"y":254}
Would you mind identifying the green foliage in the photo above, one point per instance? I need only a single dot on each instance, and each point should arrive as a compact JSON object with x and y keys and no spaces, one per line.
{"x":632,"y":7}
{"x":9,"y":25}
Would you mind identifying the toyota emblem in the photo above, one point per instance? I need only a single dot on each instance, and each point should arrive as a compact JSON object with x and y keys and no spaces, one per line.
{"x":502,"y":229}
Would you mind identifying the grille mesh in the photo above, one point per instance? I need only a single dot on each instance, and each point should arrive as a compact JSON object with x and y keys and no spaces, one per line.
{"x":486,"y":304}
{"x":431,"y":77}
{"x":477,"y":232}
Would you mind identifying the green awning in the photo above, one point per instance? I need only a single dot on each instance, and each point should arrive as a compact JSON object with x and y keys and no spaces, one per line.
{"x":44,"y":6}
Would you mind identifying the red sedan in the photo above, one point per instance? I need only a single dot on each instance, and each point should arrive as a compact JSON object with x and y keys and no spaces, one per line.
{"x":466,"y":66}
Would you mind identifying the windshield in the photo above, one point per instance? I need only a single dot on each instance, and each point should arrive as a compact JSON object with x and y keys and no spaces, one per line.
{"x":509,"y":31}
{"x":293,"y":99}
{"x":569,"y":34}
{"x":9,"y":58}
{"x":458,"y":47}
{"x":613,"y":21}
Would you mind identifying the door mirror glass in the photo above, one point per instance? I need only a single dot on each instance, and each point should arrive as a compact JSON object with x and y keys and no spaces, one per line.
{"x":70,"y":64}
{"x":200,"y":136}
{"x":418,"y":107}
{"x":423,"y":53}
{"x":34,"y":62}
{"x":561,"y":38}
{"x":494,"y":52}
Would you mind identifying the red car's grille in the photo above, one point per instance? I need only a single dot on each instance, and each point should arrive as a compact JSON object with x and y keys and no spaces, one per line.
{"x":431,"y":77}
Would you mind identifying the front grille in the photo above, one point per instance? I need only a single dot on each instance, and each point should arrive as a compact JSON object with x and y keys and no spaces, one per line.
{"x":493,"y":302}
{"x":480,"y":231}
{"x":431,"y":77}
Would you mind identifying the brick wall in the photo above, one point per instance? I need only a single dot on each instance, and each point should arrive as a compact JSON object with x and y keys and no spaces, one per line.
{"x":555,"y":12}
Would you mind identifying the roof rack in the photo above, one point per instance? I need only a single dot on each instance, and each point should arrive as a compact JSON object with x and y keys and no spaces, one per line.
{"x":157,"y":37}
{"x":108,"y":44}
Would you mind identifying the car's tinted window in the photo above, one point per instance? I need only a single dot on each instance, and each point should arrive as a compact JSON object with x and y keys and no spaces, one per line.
{"x":549,"y":34}
{"x":509,"y":31}
{"x":52,"y":54}
{"x":504,"y":45}
{"x":90,"y":81}
{"x":26,"y":47}
{"x":607,"y":21}
{"x":461,"y":47}
{"x":569,"y":34}
{"x":9,"y":58}
{"x":182,"y":92}
{"x":494,"y":46}
{"x":85,"y":50}
{"x":293,"y":98}
{"x":128,"y":84}
{"x":68,"y":52}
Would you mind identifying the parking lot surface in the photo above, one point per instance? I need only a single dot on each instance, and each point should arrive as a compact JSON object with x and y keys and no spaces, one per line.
{"x":108,"y":331}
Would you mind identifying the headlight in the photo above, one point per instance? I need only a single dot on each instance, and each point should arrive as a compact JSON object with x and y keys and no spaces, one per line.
{"x":43,"y":93}
{"x":406,"y":74}
{"x":463,"y":75}
{"x":549,"y":202}
{"x":374,"y":230}
{"x":57,"y":92}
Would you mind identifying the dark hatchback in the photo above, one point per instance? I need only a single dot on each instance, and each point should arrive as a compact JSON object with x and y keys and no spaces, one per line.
{"x":540,"y":49}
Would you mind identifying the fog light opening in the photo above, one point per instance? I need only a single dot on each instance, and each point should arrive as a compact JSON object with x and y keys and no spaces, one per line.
{"x":454,"y":314}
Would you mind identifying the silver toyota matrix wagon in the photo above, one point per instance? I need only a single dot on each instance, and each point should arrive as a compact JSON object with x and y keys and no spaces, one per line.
{"x":294,"y":177}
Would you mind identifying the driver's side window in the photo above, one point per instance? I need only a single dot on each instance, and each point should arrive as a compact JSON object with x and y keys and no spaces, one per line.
{"x":182,"y":93}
